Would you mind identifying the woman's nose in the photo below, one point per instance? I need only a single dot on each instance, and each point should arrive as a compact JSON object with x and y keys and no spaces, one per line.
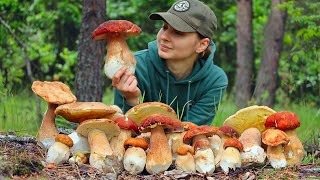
{"x":164,"y":35}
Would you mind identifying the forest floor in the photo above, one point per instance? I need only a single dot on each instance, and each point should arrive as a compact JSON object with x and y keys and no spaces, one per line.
{"x":25,"y":160}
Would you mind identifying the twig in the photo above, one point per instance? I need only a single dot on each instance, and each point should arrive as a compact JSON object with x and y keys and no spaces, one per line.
{"x":12,"y":138}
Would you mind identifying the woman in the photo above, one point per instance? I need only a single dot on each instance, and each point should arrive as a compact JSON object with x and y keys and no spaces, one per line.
{"x":177,"y":68}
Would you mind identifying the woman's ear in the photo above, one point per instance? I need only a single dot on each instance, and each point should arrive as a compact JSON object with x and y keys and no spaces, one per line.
{"x":203,"y":45}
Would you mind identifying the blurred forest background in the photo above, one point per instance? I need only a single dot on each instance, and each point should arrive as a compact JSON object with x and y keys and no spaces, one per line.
{"x":269,"y":49}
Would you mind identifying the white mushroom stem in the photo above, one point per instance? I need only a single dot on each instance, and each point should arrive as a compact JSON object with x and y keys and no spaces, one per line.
{"x":276,"y":156}
{"x":215,"y":143}
{"x":80,"y":143}
{"x":58,"y":153}
{"x":118,"y":55}
{"x":221,"y":149}
{"x":116,"y":143}
{"x":230,"y":159}
{"x":203,"y":158}
{"x":48,"y":128}
{"x":99,"y":148}
{"x":294,"y":151}
{"x":134,"y":160}
{"x":185,"y":163}
{"x":175,"y":140}
{"x":159,"y":157}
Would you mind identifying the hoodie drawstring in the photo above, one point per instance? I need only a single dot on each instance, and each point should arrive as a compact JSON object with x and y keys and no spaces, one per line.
{"x":188,"y":99}
{"x":167,"y":93}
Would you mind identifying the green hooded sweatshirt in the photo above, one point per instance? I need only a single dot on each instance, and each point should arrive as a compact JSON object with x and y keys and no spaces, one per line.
{"x":196,"y":97}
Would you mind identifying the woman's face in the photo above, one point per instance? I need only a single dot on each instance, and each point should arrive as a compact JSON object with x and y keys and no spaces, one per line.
{"x":176,"y":45}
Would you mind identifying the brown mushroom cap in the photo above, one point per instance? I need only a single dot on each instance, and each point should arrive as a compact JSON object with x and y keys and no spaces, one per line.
{"x":109,"y":127}
{"x":274,"y":137}
{"x":229,"y":131}
{"x":114,"y":28}
{"x":53,"y":92}
{"x":188,"y":125}
{"x":136,"y":142}
{"x":200,"y":130}
{"x":158,"y":119}
{"x":64,"y":139}
{"x":233,"y":142}
{"x":283,"y":120}
{"x":80,"y":111}
{"x":201,"y":144}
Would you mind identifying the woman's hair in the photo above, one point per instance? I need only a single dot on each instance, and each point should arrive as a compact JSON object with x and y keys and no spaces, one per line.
{"x":206,"y":53}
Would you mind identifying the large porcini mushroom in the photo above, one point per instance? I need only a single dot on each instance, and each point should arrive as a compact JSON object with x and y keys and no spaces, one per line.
{"x":185,"y":160}
{"x":127,"y":127}
{"x":135,"y":156}
{"x":142,"y":111}
{"x":54,"y":93}
{"x":231,"y":158}
{"x":252,"y":153}
{"x":275,"y":139}
{"x":204,"y":158}
{"x":116,"y":32}
{"x":288,"y":122}
{"x":159,"y":156}
{"x":59,"y":152}
{"x":98,"y":131}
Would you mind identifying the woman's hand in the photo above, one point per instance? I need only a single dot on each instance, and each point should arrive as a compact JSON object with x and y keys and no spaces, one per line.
{"x":126,"y":83}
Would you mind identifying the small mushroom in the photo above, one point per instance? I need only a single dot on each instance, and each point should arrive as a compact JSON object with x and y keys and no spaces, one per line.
{"x":185,"y":160}
{"x":231,"y":158}
{"x":275,"y":139}
{"x":54,"y":93}
{"x":159,"y":156}
{"x":116,"y":32}
{"x":288,"y":122}
{"x":98,"y":131}
{"x":135,"y":156}
{"x":59,"y":152}
{"x":80,"y":143}
{"x":252,"y":153}
{"x":78,"y":158}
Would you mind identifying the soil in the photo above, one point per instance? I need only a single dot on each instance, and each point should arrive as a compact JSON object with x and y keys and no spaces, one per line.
{"x":21,"y":159}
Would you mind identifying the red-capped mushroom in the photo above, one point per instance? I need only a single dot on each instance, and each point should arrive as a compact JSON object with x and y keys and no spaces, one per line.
{"x":159,"y":156}
{"x":231,"y":158}
{"x":288,"y":122}
{"x":119,"y":54}
{"x":135,"y":156}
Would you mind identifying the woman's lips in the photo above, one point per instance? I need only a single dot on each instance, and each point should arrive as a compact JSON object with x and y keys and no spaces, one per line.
{"x":164,"y":47}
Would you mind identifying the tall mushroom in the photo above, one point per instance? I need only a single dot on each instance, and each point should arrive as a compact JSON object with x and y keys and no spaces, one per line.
{"x":288,"y":122}
{"x":54,"y":93}
{"x":231,"y":158}
{"x":119,"y":54}
{"x":159,"y":156}
{"x":98,"y":131}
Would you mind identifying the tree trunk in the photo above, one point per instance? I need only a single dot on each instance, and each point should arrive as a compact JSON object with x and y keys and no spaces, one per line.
{"x":244,"y":53}
{"x":89,"y":78}
{"x":267,"y":80}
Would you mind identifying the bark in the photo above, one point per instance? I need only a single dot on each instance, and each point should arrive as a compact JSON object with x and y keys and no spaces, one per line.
{"x":267,"y":80}
{"x":244,"y":53}
{"x":89,"y":78}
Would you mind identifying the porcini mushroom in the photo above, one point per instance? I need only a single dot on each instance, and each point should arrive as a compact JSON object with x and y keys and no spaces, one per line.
{"x":231,"y":158}
{"x":54,"y":93}
{"x":98,"y":131}
{"x":185,"y":160}
{"x":159,"y":156}
{"x":275,"y":139}
{"x":80,"y":143}
{"x":78,"y":158}
{"x":252,"y":153}
{"x":288,"y":122}
{"x":135,"y":156}
{"x":59,"y":152}
{"x":119,"y":54}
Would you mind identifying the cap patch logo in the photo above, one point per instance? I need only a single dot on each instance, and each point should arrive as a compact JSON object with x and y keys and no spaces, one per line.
{"x":181,"y":6}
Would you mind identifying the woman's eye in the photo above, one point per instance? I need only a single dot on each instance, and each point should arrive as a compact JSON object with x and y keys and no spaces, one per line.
{"x":179,"y":32}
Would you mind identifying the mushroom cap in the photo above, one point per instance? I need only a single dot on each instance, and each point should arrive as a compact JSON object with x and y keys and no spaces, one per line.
{"x":283,"y":120}
{"x":53,"y":92}
{"x":80,"y":111}
{"x":109,"y":127}
{"x":188,"y":125}
{"x":200,"y":130}
{"x":158,"y":119}
{"x":115,"y":28}
{"x":233,"y":142}
{"x":252,"y":116}
{"x":228,"y":131}
{"x":142,"y":111}
{"x":136,"y":142}
{"x":127,"y":123}
{"x":65,"y":139}
{"x":183,"y":149}
{"x":274,"y":137}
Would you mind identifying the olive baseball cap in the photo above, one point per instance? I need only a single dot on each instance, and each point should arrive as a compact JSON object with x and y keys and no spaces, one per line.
{"x":189,"y":16}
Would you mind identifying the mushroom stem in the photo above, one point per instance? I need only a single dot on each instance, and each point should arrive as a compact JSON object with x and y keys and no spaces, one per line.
{"x":230,"y":159}
{"x":159,"y":157}
{"x":48,"y":127}
{"x":185,"y":163}
{"x":116,"y":143}
{"x":134,"y":160}
{"x":294,"y":150}
{"x":276,"y":156}
{"x":221,"y":149}
{"x":203,"y":158}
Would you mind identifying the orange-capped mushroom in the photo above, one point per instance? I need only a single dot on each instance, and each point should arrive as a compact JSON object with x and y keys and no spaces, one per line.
{"x":136,"y":142}
{"x":64,"y":139}
{"x":231,"y":158}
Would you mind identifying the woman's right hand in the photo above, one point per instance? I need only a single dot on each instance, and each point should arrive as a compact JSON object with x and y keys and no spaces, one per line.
{"x":125,"y":82}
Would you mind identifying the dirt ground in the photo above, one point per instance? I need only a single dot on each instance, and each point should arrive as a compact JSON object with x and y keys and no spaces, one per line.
{"x":25,"y":160}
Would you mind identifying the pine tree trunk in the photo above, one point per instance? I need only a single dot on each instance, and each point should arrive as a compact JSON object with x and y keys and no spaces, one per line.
{"x":89,"y":77}
{"x":244,"y":53}
{"x":267,"y":80}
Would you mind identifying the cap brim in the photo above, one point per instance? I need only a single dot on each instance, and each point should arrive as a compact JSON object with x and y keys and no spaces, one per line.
{"x":176,"y":22}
